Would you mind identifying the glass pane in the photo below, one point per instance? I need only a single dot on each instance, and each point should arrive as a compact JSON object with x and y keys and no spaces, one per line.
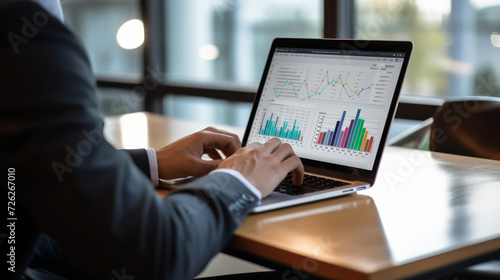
{"x":207,"y":110}
{"x":97,"y":24}
{"x":115,"y":101}
{"x":457,"y":42}
{"x":229,"y":40}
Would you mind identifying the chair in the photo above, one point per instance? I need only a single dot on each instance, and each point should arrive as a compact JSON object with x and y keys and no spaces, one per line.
{"x":414,"y":137}
{"x":468,"y":127}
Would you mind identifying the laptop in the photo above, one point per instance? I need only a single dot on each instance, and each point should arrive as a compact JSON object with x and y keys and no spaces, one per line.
{"x":333,"y":101}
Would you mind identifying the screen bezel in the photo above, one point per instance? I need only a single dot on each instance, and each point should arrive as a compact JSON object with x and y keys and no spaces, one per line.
{"x":331,"y":169}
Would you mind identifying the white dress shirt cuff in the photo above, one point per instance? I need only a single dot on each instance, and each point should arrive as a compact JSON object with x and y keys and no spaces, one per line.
{"x":153,"y":167}
{"x":242,"y":179}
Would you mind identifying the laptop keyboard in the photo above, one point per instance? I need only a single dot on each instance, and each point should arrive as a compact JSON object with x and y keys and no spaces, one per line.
{"x":311,"y":184}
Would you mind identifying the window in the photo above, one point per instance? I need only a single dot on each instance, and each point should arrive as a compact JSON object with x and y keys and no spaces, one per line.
{"x":457,"y":43}
{"x":229,"y":40}
{"x":97,"y":24}
{"x":218,"y":48}
{"x":226,"y":43}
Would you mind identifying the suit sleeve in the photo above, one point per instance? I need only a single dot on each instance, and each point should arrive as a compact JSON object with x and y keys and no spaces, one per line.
{"x":80,"y":190}
{"x":140,"y":159}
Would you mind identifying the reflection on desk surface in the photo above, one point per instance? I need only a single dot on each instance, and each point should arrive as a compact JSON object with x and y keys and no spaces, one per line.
{"x":425,"y":211}
{"x":431,"y":203}
{"x":337,"y":230}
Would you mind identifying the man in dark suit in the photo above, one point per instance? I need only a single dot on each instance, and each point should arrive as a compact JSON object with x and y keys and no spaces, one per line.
{"x":94,"y":206}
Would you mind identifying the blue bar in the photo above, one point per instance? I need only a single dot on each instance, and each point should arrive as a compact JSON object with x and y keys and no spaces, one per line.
{"x":262,"y":124}
{"x":330,"y":139}
{"x":276,"y":127}
{"x":270,"y":123}
{"x":335,"y":133}
{"x":339,"y":139}
{"x":325,"y":137}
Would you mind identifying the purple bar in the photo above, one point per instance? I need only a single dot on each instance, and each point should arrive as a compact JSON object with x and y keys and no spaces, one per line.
{"x":340,"y":138}
{"x":349,"y":134}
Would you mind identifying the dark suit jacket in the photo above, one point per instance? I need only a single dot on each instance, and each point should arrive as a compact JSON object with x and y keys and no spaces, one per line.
{"x":75,"y":187}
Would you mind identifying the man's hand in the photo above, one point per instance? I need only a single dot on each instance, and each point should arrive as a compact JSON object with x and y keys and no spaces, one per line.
{"x":266,"y":165}
{"x":183,"y":157}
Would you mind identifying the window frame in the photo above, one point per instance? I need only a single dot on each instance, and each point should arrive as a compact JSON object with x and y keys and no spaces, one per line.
{"x":338,"y":22}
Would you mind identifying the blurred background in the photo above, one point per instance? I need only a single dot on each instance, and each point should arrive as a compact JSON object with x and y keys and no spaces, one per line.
{"x":202,"y":60}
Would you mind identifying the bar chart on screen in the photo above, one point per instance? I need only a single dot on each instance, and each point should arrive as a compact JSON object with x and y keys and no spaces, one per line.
{"x":286,"y":122}
{"x":347,"y":130}
{"x":286,"y":130}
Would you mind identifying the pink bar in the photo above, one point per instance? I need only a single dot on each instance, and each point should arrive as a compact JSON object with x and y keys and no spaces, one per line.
{"x":345,"y":135}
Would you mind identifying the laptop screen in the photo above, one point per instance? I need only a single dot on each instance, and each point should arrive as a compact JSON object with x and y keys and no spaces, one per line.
{"x":330,"y":105}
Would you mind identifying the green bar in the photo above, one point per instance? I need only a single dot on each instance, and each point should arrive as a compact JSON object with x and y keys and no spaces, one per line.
{"x":284,"y":129}
{"x":360,"y":140}
{"x":360,"y":134}
{"x":355,"y":136}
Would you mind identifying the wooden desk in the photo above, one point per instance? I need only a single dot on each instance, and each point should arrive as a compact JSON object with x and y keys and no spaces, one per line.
{"x":146,"y":130}
{"x":428,"y":214}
